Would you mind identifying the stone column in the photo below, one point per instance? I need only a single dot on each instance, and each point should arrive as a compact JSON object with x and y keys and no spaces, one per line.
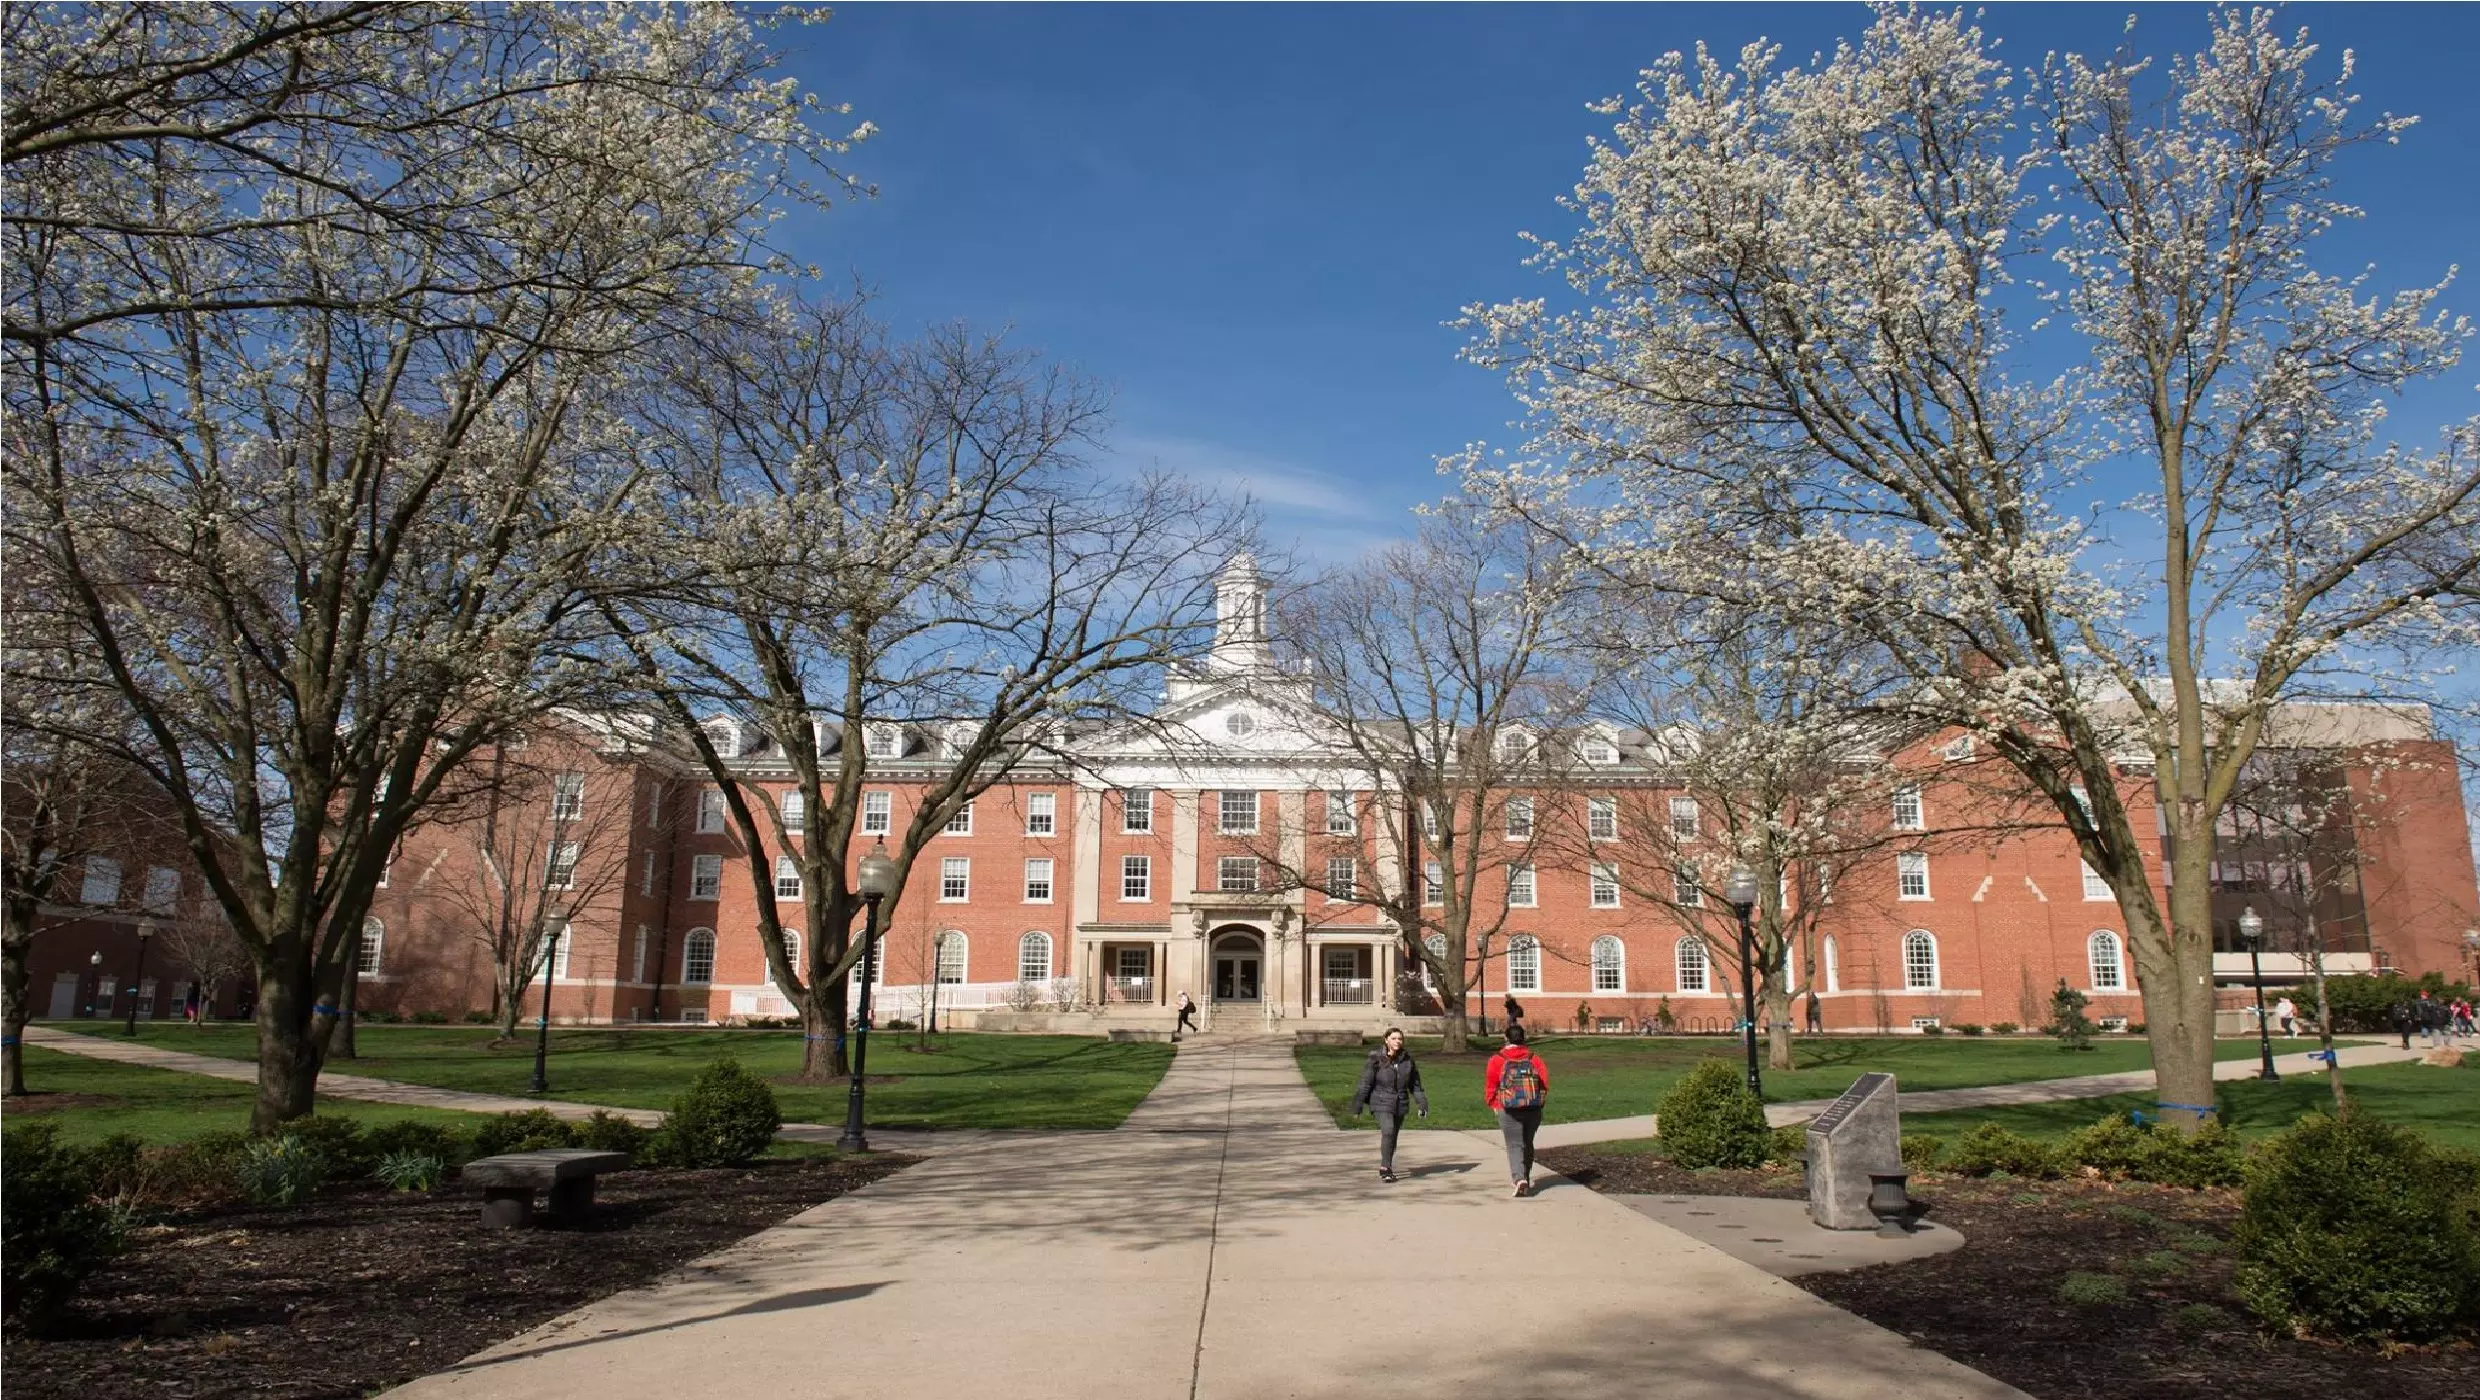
{"x":1180,"y":881}
{"x":1085,"y":904}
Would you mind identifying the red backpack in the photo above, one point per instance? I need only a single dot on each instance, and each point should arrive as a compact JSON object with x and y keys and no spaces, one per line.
{"x":1519,"y":1084}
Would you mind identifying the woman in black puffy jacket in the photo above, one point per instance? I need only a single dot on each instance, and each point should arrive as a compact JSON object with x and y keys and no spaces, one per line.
{"x":1390,"y":1084}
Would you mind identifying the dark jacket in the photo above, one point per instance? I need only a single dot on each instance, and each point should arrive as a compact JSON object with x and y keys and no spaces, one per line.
{"x":2433,"y":1015}
{"x":1388,"y":1085}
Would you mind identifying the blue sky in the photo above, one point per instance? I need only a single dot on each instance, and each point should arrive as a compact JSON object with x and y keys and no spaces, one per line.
{"x":1252,"y":222}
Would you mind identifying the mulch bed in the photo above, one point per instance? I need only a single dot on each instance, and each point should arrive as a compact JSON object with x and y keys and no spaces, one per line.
{"x":1995,"y":1304}
{"x":363,"y":1288}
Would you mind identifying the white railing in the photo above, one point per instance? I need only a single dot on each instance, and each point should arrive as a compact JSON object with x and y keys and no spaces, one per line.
{"x":1131,"y":989}
{"x":1351,"y":991}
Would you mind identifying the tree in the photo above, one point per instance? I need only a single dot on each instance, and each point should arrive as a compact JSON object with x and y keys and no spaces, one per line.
{"x":1795,"y":367}
{"x":312,"y":322}
{"x":870,"y":541}
{"x":202,"y":945}
{"x":1439,"y":695}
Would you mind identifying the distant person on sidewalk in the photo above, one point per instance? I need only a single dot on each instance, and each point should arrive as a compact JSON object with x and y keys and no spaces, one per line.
{"x":2405,"y":1018}
{"x":1390,"y":1083}
{"x":1513,"y":1009}
{"x":1188,"y":1018}
{"x":1515,"y":1086}
{"x":2461,"y":1012}
{"x":2433,"y":1020}
{"x":2288,"y":1015}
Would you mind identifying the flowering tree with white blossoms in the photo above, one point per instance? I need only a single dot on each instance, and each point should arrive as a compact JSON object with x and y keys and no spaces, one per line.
{"x":1799,"y":338}
{"x":313,"y":315}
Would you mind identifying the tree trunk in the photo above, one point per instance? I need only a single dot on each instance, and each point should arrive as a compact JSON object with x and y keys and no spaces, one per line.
{"x":2324,"y":1012}
{"x":1456,"y":1036}
{"x":1777,"y":1025}
{"x":348,"y":1002}
{"x":823,"y":1013}
{"x":15,"y":1008}
{"x":2178,"y":990}
{"x":289,"y":1051}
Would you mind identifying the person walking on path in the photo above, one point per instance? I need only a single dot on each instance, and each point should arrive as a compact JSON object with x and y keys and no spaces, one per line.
{"x":2405,"y":1017}
{"x":2459,"y":1014}
{"x":1515,"y":1086}
{"x":2288,"y":1015}
{"x":2432,"y":1020}
{"x":1188,"y":1017}
{"x":1390,"y":1083}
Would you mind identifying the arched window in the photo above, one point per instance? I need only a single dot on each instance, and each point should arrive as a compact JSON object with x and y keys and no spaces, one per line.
{"x":1436,"y":943}
{"x":1033,"y":958}
{"x":792,"y":949}
{"x":1920,"y":961}
{"x":697,"y":956}
{"x":2109,"y":970}
{"x":1524,"y":964}
{"x":374,"y":936}
{"x":787,"y":878}
{"x":1834,"y":969}
{"x":952,"y":949}
{"x":1689,"y":957}
{"x":1609,"y":964}
{"x":795,"y":809}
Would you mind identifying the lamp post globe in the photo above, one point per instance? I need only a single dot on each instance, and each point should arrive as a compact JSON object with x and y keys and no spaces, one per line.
{"x":1741,"y":893}
{"x":94,"y":962}
{"x":2252,"y":933}
{"x":875,"y":880}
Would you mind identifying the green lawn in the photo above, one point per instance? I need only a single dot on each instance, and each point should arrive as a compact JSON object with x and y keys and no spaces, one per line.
{"x":967,"y":1081}
{"x":1594,"y":1077}
{"x":2442,"y":1103}
{"x":93,"y":1099}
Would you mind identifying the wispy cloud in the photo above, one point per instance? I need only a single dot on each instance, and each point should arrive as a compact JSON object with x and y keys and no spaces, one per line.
{"x":1312,"y":514}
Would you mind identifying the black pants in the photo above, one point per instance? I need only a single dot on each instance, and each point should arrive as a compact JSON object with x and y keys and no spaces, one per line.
{"x":1188,"y":1019}
{"x":1517,"y":1126}
{"x":1390,"y":1122}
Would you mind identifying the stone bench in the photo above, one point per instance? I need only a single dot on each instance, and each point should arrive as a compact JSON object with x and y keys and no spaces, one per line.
{"x":564,"y":1174}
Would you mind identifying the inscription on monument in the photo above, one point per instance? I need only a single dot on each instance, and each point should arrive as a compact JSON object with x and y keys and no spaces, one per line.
{"x":1859,"y":1133}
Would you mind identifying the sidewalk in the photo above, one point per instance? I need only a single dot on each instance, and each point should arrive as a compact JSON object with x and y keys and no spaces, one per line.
{"x":1224,"y":1244}
{"x":2088,"y":1086}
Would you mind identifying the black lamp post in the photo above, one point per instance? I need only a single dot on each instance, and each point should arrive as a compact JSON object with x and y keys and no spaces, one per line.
{"x":542,"y":1025}
{"x":1741,"y":893}
{"x":876,"y":877}
{"x":2252,"y":933}
{"x":145,"y":931}
{"x":94,"y":961}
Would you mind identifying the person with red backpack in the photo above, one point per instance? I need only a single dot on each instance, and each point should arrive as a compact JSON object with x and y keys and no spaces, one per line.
{"x":1515,"y":1086}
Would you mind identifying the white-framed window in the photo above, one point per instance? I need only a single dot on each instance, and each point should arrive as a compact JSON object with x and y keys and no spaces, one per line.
{"x":792,"y":948}
{"x":645,"y":875}
{"x":1041,"y":814}
{"x":706,"y":877}
{"x":1958,"y":749}
{"x":1920,"y":961}
{"x":1922,"y":1023}
{"x":955,"y":879}
{"x":1609,"y":964}
{"x":1429,"y":821}
{"x":1596,"y":750}
{"x":961,"y":824}
{"x":563,"y":945}
{"x":1136,"y":879}
{"x":562,"y":874}
{"x":952,"y":960}
{"x":1342,"y":814}
{"x":1524,"y":964}
{"x":163,"y":888}
{"x":1686,"y":818}
{"x":1033,"y":957}
{"x":693,"y":1015}
{"x":654,"y":807}
{"x":1601,"y":818}
{"x":1686,"y":892}
{"x":1038,"y":880}
{"x":2109,"y":967}
{"x":881,"y":741}
{"x":103,"y":881}
{"x":697,"y":957}
{"x":1694,"y":968}
{"x":1436,"y":946}
{"x":637,"y":962}
{"x":387,"y":870}
{"x":1238,"y":813}
{"x":1236,"y":874}
{"x":1522,"y":889}
{"x":1342,"y":879}
{"x":1514,"y":746}
{"x":710,"y":811}
{"x":787,"y":878}
{"x":2095,"y":887}
{"x":374,"y":943}
{"x":795,"y":810}
{"x":568,"y":796}
{"x":1834,"y":965}
{"x":878,"y":813}
{"x":1605,"y":885}
{"x":1433,"y":883}
{"x":1519,"y":819}
{"x":1911,"y":875}
{"x":1908,"y":815}
{"x":1136,"y":811}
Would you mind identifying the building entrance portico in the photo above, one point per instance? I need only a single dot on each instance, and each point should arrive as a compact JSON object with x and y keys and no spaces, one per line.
{"x":1239,"y":967}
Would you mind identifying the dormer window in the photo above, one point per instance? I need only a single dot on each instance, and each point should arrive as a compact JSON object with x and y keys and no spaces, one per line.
{"x":881,"y":741}
{"x":1595,"y":749}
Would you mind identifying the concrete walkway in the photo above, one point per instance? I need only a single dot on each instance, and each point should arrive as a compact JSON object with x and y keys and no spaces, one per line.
{"x":1225,"y":1244}
{"x":2088,"y":1086}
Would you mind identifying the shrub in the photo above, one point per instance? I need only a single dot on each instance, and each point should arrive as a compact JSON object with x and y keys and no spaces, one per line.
{"x":530,"y":1130}
{"x":2113,"y":1147}
{"x":411,"y":1171}
{"x":1922,"y":1150}
{"x":1933,"y":1028}
{"x":898,"y":1023}
{"x":429,"y":1018}
{"x":475,"y":1016}
{"x":418,"y":1138}
{"x":606,"y":1131}
{"x":377,"y":1018}
{"x":2091,"y":1290}
{"x":339,"y":1140}
{"x":2363,"y":1004}
{"x":2209,"y":1156}
{"x":280,"y":1171}
{"x":2066,"y":1017}
{"x":1968,"y":1028}
{"x":2200,"y":1317}
{"x":2354,"y":1228}
{"x":1989,"y":1149}
{"x":52,"y":1231}
{"x":1788,"y":1144}
{"x":724,"y":1118}
{"x":2004,"y":1028}
{"x":1709,"y":1119}
{"x":205,"y":1168}
{"x":112,"y":1165}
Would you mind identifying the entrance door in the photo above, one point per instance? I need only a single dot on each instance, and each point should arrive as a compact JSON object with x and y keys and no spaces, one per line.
{"x":1235,"y":969}
{"x":64,"y":996}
